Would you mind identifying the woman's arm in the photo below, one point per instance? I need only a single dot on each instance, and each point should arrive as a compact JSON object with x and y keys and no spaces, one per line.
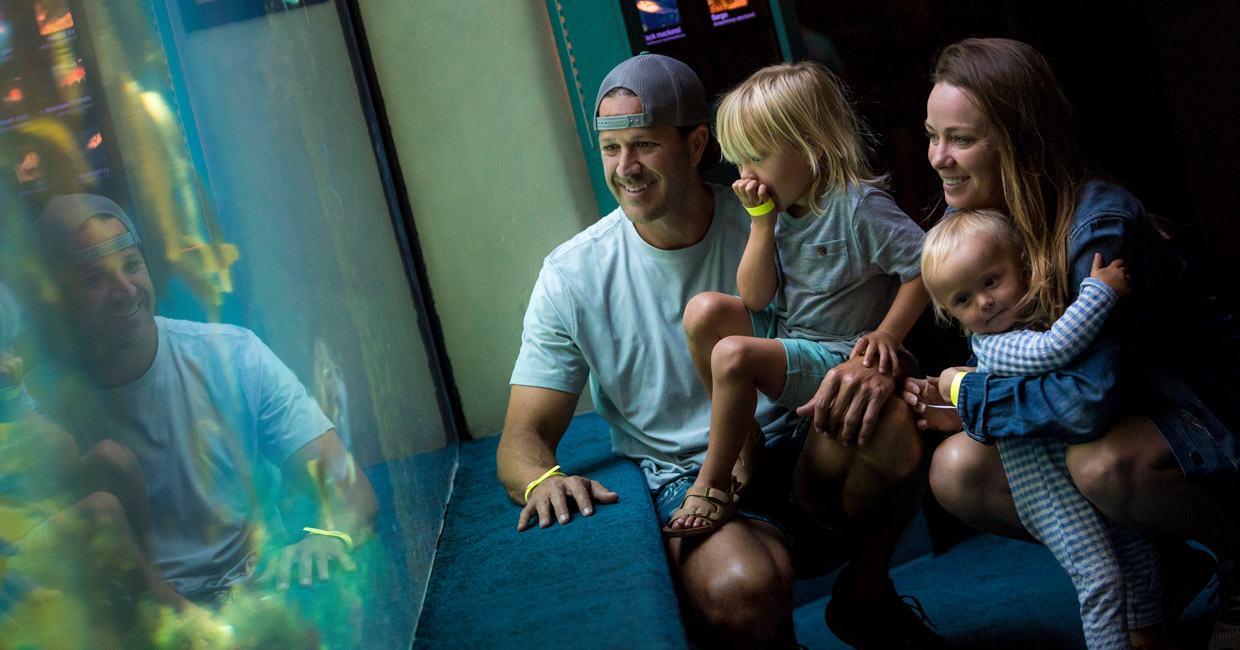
{"x":1074,"y":402}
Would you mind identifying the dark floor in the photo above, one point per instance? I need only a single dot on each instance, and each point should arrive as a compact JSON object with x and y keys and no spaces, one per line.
{"x":988,"y":592}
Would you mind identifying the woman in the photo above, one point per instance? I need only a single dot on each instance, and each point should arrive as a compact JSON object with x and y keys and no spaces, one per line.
{"x":1150,"y":404}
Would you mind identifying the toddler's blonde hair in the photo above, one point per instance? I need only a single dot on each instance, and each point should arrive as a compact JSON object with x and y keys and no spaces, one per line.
{"x":802,"y":107}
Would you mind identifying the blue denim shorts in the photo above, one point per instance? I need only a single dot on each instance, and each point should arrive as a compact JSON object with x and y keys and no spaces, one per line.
{"x":769,"y":497}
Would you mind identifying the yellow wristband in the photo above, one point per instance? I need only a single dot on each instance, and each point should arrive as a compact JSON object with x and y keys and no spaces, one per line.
{"x":762,"y":209}
{"x":554,"y":471}
{"x":954,"y":396}
{"x":344,"y":537}
{"x":10,"y":392}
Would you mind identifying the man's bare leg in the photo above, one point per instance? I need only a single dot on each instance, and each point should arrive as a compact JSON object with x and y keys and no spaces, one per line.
{"x":736,"y":586}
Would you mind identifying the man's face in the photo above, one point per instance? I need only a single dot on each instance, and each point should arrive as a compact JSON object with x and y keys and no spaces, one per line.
{"x":650,"y":170}
{"x":111,"y":298}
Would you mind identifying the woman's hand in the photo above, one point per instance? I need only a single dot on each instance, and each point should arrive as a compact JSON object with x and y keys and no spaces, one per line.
{"x":878,"y":347}
{"x":923,"y":396}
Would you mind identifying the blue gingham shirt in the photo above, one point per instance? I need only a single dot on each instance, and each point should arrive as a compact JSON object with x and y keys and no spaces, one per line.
{"x":1025,"y":353}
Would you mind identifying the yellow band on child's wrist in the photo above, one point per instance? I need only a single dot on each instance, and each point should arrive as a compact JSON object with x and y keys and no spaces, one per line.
{"x":554,"y":471}
{"x":342,"y":536}
{"x":760,"y":210}
{"x":954,"y":395}
{"x":10,"y":392}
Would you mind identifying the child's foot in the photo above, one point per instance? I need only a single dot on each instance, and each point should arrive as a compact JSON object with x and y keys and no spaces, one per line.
{"x":703,"y":510}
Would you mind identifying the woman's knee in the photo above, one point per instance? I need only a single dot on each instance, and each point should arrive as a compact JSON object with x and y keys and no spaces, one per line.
{"x":961,"y":470}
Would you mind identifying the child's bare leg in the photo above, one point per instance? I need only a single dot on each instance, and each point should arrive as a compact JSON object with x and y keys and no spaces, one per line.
{"x":112,"y":468}
{"x":95,"y":534}
{"x":709,"y":318}
{"x":740,"y":366}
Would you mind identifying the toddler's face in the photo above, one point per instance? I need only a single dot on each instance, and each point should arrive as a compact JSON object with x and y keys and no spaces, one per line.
{"x":980,"y":284}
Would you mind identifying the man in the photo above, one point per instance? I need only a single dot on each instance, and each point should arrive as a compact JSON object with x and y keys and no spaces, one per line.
{"x":180,"y":415}
{"x":607,"y":310}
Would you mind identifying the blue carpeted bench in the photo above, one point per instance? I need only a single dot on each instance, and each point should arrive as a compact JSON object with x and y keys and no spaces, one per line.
{"x":598,"y":582}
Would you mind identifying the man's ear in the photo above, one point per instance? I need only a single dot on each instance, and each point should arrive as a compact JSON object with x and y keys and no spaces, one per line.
{"x":697,"y":140}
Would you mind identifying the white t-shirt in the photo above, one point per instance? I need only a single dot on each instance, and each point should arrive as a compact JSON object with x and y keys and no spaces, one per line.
{"x":213,"y":405}
{"x":608,"y":308}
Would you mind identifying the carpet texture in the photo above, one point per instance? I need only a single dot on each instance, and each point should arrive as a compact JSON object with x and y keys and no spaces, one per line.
{"x":596,"y":582}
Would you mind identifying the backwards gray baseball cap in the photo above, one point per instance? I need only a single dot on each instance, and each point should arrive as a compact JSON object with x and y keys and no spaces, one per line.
{"x":670,"y":92}
{"x":63,"y":216}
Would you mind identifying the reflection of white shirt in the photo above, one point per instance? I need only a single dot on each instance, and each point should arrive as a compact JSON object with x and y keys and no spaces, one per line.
{"x":215,"y":401}
{"x":607,"y":307}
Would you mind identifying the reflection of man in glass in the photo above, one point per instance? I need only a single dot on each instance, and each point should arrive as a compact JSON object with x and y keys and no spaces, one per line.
{"x":191,"y":409}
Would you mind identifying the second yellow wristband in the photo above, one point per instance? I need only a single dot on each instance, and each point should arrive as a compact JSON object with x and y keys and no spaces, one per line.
{"x":954,"y":396}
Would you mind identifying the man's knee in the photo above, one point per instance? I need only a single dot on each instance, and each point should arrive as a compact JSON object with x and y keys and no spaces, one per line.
{"x":748,"y":588}
{"x":896,"y":449}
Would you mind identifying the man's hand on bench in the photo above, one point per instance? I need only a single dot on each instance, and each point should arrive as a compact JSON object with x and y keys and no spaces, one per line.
{"x":554,"y":494}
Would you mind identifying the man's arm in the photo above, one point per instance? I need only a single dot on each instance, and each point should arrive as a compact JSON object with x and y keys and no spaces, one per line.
{"x":536,"y":421}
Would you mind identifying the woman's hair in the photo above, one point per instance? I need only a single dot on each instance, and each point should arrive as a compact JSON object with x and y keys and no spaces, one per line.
{"x":802,"y":107}
{"x":989,"y":226}
{"x":1041,"y":164}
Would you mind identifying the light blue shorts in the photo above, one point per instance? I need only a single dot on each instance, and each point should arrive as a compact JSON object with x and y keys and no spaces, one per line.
{"x":807,"y":361}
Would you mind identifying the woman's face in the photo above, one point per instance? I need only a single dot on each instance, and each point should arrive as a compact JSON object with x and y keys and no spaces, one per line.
{"x":962,"y":150}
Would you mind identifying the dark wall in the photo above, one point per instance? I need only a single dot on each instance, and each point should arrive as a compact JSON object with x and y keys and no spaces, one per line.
{"x":1155,"y":85}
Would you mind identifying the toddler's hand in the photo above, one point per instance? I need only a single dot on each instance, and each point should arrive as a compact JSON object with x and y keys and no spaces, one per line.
{"x":1114,"y":275}
{"x":878,"y":346}
{"x":751,"y":193}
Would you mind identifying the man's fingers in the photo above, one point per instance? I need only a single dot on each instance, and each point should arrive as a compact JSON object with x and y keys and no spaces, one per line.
{"x":305,"y":566}
{"x":602,"y":494}
{"x":869,"y":417}
{"x":323,"y":560}
{"x":528,"y":513}
{"x":560,"y":502}
{"x":581,"y":494}
{"x":544,"y":512}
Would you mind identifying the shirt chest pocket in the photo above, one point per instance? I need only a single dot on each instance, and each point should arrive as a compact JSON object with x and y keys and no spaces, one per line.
{"x":823,"y":266}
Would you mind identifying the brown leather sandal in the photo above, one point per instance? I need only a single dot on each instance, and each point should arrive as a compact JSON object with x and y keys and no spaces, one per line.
{"x":724,"y":507}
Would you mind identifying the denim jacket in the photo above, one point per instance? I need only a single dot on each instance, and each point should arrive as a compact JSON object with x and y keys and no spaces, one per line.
{"x":1167,"y":337}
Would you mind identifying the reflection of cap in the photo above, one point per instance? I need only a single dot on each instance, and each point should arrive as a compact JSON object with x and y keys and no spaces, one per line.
{"x":63,"y":217}
{"x":670,"y":92}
